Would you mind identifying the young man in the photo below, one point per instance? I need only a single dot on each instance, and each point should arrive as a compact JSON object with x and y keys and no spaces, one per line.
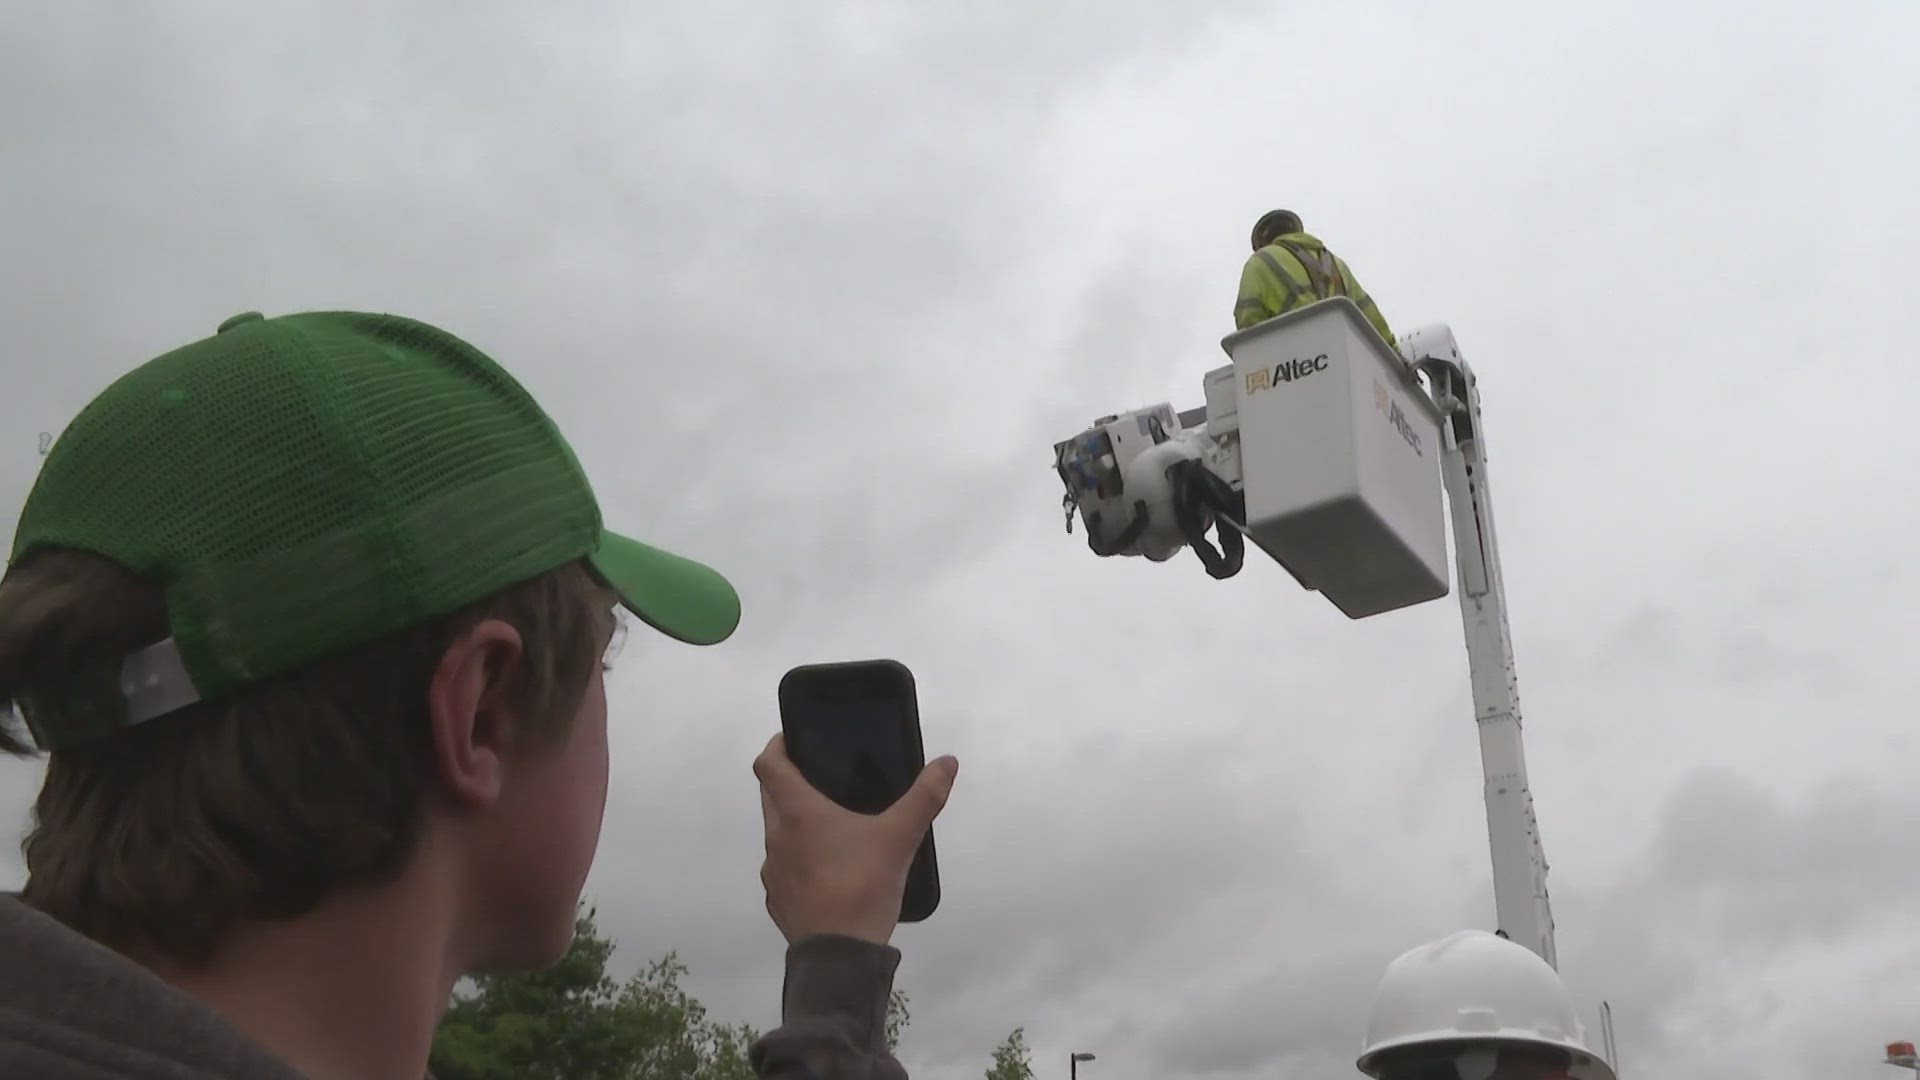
{"x":309,"y":617}
{"x":1290,"y":268}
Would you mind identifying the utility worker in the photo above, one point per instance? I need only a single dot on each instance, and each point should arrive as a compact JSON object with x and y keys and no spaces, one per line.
{"x":1476,"y":1006}
{"x":1290,"y":268}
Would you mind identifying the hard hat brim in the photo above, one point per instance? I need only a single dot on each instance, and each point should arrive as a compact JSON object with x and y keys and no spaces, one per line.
{"x":1586,"y":1064}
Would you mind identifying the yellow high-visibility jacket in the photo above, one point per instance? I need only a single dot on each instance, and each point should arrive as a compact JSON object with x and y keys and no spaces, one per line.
{"x":1298,"y":269}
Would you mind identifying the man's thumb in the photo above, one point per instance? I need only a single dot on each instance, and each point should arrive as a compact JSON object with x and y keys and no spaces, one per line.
{"x":928,"y":795}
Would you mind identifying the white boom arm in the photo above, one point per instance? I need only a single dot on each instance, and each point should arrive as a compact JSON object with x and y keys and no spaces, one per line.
{"x":1519,"y":858}
{"x":1321,"y":446}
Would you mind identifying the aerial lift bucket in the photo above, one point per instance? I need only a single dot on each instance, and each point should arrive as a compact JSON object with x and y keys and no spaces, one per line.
{"x":1340,"y":457}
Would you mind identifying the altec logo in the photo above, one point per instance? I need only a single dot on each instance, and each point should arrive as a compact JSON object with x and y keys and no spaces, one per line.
{"x":1268,"y":378}
{"x":1396,"y":416}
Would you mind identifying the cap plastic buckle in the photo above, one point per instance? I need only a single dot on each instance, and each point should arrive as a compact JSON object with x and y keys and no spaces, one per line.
{"x":155,"y":682}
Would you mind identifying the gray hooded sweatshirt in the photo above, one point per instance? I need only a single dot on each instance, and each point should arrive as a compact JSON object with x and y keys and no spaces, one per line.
{"x":71,"y":1009}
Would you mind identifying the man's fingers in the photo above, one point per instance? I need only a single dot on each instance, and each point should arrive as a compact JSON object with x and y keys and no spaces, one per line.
{"x":781,"y":781}
{"x":769,"y":817}
{"x":775,"y":770}
{"x":771,"y":758}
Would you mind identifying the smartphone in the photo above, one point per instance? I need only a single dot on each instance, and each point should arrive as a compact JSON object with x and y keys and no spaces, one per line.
{"x":853,"y":730}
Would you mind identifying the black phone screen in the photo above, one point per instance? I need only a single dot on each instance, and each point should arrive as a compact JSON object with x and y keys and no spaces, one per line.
{"x":853,"y":730}
{"x":852,"y":750}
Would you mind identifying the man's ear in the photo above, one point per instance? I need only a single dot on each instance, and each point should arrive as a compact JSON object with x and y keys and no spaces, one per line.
{"x":467,"y":713}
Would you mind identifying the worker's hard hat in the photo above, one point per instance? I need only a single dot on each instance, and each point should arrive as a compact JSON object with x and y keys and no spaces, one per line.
{"x":1475,"y":990}
{"x":1274,"y":223}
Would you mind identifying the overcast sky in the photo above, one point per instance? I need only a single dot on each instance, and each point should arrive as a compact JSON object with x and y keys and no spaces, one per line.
{"x":814,"y":287}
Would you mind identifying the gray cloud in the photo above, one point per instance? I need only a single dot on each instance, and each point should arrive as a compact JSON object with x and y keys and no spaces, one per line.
{"x":815,"y":287}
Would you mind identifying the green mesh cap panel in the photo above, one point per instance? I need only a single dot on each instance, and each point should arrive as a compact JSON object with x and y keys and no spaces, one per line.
{"x":313,"y":482}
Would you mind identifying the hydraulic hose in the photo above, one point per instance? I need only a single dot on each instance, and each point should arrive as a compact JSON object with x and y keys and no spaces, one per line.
{"x":1200,"y":496}
{"x":1128,"y":535}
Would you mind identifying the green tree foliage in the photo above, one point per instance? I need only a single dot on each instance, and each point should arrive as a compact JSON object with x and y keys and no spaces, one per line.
{"x":1012,"y":1060}
{"x":897,"y":1017}
{"x":575,"y":1022}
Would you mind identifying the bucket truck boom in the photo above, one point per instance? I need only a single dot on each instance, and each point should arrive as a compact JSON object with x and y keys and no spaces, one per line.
{"x":1321,"y":446}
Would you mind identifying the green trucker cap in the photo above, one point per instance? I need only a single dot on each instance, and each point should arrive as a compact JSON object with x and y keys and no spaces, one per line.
{"x":313,"y":482}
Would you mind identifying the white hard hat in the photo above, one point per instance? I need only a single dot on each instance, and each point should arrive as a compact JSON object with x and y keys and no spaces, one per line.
{"x":1472,"y":989}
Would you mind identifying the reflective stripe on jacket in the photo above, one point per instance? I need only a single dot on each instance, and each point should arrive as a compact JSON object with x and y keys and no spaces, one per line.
{"x":1298,"y":269}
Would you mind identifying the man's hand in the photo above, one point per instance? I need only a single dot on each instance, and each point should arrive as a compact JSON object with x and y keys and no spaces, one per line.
{"x":832,"y":871}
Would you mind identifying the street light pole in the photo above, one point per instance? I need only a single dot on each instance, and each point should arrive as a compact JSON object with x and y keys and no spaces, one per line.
{"x":1073,"y":1064}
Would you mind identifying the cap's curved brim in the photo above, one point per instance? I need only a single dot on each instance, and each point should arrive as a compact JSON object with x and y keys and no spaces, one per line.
{"x":678,"y":597}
